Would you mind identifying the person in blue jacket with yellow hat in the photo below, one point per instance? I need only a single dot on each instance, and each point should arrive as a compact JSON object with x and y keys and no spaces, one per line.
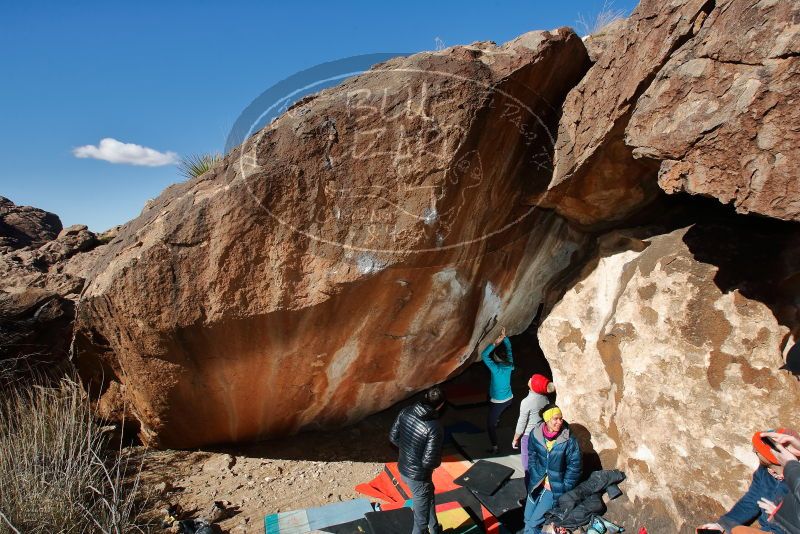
{"x":554,"y":466}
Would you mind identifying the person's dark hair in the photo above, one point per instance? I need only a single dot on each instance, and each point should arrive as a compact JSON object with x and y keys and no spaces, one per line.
{"x":500,"y":354}
{"x":433,"y":397}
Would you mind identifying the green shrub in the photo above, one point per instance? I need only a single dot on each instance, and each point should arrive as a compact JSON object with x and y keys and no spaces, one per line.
{"x":57,"y":472}
{"x":195,"y":165}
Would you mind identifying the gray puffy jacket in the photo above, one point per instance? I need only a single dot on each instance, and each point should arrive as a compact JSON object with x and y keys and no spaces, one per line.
{"x":419,"y":435}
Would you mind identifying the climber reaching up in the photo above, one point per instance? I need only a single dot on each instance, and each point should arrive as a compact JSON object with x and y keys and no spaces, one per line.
{"x":500,"y":361}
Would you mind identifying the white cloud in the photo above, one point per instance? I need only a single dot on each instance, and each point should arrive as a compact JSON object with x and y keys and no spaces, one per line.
{"x":113,"y":151}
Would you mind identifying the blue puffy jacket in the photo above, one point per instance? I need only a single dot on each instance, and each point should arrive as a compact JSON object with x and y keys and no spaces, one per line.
{"x":562,"y":464}
{"x":744,"y":511}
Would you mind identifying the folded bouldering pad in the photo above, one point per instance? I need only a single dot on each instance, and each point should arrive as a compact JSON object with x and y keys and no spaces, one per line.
{"x":389,"y":487}
{"x":303,"y":521}
{"x":463,"y":498}
{"x":455,"y":465}
{"x":294,"y":522}
{"x":485,"y":477}
{"x":451,"y":515}
{"x":457,"y":521}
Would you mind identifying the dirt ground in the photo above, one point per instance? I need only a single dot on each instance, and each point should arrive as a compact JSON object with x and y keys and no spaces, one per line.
{"x":308,"y":470}
{"x":302,"y":471}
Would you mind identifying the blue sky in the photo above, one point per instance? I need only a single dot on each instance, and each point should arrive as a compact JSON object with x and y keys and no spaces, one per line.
{"x":174,"y":76}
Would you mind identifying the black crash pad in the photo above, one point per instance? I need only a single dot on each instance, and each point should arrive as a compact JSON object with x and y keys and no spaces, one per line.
{"x":485,"y":477}
{"x":510,"y":496}
{"x":359,"y":526}
{"x":400,"y":521}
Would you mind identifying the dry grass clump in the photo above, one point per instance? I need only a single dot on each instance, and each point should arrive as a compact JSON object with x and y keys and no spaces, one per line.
{"x":57,"y":472}
{"x":607,"y":14}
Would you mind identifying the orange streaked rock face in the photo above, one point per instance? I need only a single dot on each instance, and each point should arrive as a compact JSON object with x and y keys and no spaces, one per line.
{"x":353,"y":252}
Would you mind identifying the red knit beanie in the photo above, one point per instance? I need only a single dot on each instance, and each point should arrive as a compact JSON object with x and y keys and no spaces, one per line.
{"x":538,"y":384}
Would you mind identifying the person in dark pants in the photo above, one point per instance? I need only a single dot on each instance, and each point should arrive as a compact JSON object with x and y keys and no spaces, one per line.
{"x":500,"y":361}
{"x":419,"y":435}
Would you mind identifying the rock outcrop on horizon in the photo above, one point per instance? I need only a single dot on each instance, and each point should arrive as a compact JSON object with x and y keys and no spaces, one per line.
{"x":24,"y":226}
{"x":38,"y":287}
{"x":671,"y":362}
{"x":353,"y":252}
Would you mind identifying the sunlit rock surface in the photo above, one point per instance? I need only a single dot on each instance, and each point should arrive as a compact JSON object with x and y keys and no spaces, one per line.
{"x":38,"y":289}
{"x":671,"y":363}
{"x":693,"y":96}
{"x":723,"y":114}
{"x":351,"y":253}
{"x":596,"y":178}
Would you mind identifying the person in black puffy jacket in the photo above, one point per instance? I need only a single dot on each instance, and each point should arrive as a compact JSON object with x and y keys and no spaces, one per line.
{"x":419,"y":435}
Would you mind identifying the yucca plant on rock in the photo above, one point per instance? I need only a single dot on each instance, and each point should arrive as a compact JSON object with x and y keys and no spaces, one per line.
{"x":195,"y":165}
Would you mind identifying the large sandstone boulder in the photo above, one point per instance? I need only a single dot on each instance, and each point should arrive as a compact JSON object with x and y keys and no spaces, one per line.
{"x":723,"y":114}
{"x":666,"y":350}
{"x":356,"y":250}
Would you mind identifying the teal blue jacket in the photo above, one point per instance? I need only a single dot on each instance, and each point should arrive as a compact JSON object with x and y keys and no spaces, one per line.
{"x":500,"y":383}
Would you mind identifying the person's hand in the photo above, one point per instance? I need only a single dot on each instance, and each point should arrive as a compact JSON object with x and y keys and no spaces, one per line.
{"x":712,"y":526}
{"x":790,"y":442}
{"x":502,"y":336}
{"x":767,"y":505}
{"x":783,"y":455}
{"x":515,"y":444}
